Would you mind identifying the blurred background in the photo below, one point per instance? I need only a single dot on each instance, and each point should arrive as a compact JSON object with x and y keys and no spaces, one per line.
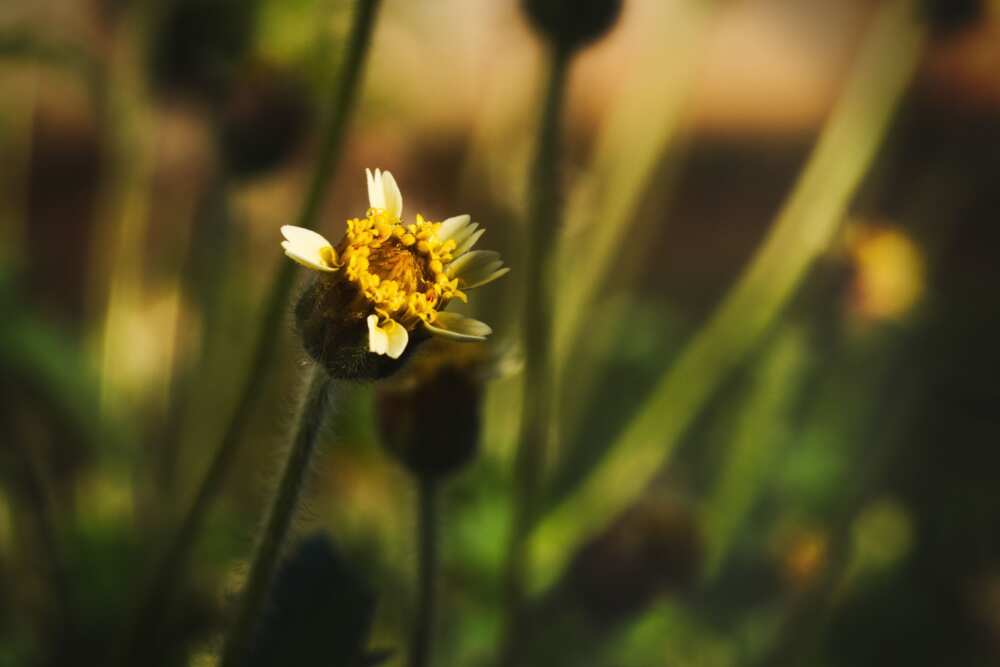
{"x":825,"y":494}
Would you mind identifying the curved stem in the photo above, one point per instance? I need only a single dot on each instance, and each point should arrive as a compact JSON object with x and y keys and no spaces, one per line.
{"x":156,"y":602}
{"x":537,"y":330}
{"x":279,"y":520}
{"x":423,"y":632}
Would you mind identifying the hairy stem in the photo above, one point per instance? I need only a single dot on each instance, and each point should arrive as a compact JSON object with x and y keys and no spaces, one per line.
{"x":423,"y":631}
{"x":279,"y":520}
{"x":156,"y":602}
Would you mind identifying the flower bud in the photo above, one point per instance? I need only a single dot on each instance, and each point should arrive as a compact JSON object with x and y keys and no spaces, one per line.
{"x":331,"y":320}
{"x":428,"y":417}
{"x":572,"y":24}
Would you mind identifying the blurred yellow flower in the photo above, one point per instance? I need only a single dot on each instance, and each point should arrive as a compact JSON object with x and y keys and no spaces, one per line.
{"x":804,"y":557}
{"x":888,"y":272}
{"x":406,"y":272}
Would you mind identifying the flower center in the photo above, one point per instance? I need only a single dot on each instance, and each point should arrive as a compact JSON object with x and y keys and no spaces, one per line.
{"x":399,"y":267}
{"x":394,"y":261}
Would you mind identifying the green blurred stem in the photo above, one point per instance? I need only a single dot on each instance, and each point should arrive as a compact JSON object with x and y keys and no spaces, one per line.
{"x":802,"y":232}
{"x":201,"y":270}
{"x":762,"y":429}
{"x":805,"y":616}
{"x":156,"y":602}
{"x":28,"y":484}
{"x":423,"y":631}
{"x":639,"y":139}
{"x":542,"y":228}
{"x":279,"y":520}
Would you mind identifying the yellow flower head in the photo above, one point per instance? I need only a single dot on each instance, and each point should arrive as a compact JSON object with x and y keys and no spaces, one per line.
{"x":403,"y":274}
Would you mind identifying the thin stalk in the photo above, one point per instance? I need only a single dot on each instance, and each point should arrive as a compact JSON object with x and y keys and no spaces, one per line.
{"x":199,"y":276}
{"x":156,"y":602}
{"x":536,"y":409}
{"x":279,"y":521}
{"x":423,"y":631}
{"x":806,"y":614}
{"x":29,"y":486}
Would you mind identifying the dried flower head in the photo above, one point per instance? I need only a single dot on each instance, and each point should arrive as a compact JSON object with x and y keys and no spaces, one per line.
{"x":387,"y":281}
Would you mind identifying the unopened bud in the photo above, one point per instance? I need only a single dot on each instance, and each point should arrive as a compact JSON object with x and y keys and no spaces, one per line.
{"x":572,"y":24}
{"x":428,"y":417}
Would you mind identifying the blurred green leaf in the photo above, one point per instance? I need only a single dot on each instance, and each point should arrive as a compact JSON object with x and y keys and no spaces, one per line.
{"x":761,"y":431}
{"x":804,"y":227}
{"x":38,"y":355}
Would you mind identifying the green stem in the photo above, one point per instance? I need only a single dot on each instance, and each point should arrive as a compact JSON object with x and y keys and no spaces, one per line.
{"x":28,"y":486}
{"x":537,"y":331}
{"x":156,"y":602}
{"x":200,"y":271}
{"x":806,"y":614}
{"x":279,"y":521}
{"x":423,"y":632}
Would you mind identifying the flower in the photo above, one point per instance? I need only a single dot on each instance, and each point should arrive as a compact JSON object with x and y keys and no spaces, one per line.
{"x":394,"y":276}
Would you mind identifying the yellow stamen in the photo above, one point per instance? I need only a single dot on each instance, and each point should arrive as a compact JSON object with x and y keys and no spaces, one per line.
{"x":399,"y":267}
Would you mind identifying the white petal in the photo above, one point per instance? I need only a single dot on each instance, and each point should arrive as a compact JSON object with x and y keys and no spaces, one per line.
{"x":392,"y":197}
{"x":378,"y":341}
{"x":466,"y":245}
{"x":307,"y":248}
{"x":463,"y":235}
{"x":371,"y":188}
{"x":308,"y":262}
{"x":300,"y":236}
{"x":451,"y":226}
{"x":458,"y":327}
{"x":397,"y":338}
{"x":478,"y":280}
{"x":376,"y":197}
{"x":472,"y":261}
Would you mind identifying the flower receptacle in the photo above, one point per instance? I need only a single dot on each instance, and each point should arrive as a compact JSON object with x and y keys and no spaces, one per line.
{"x":331,"y":318}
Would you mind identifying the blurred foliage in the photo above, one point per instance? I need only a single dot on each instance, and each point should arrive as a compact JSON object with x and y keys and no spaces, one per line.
{"x":775,"y":330}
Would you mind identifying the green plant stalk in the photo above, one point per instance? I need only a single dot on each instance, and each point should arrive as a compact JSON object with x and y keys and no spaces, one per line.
{"x":27,"y":483}
{"x":16,"y":122}
{"x":803,"y":230}
{"x":760,"y":431}
{"x":641,"y":131}
{"x":423,"y":632}
{"x":885,"y":421}
{"x":156,"y":602}
{"x":543,"y":225}
{"x":124,"y":211}
{"x":279,"y":520}
{"x":199,"y":273}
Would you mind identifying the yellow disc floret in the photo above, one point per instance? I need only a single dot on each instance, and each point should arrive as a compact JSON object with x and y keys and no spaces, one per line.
{"x":399,"y":267}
